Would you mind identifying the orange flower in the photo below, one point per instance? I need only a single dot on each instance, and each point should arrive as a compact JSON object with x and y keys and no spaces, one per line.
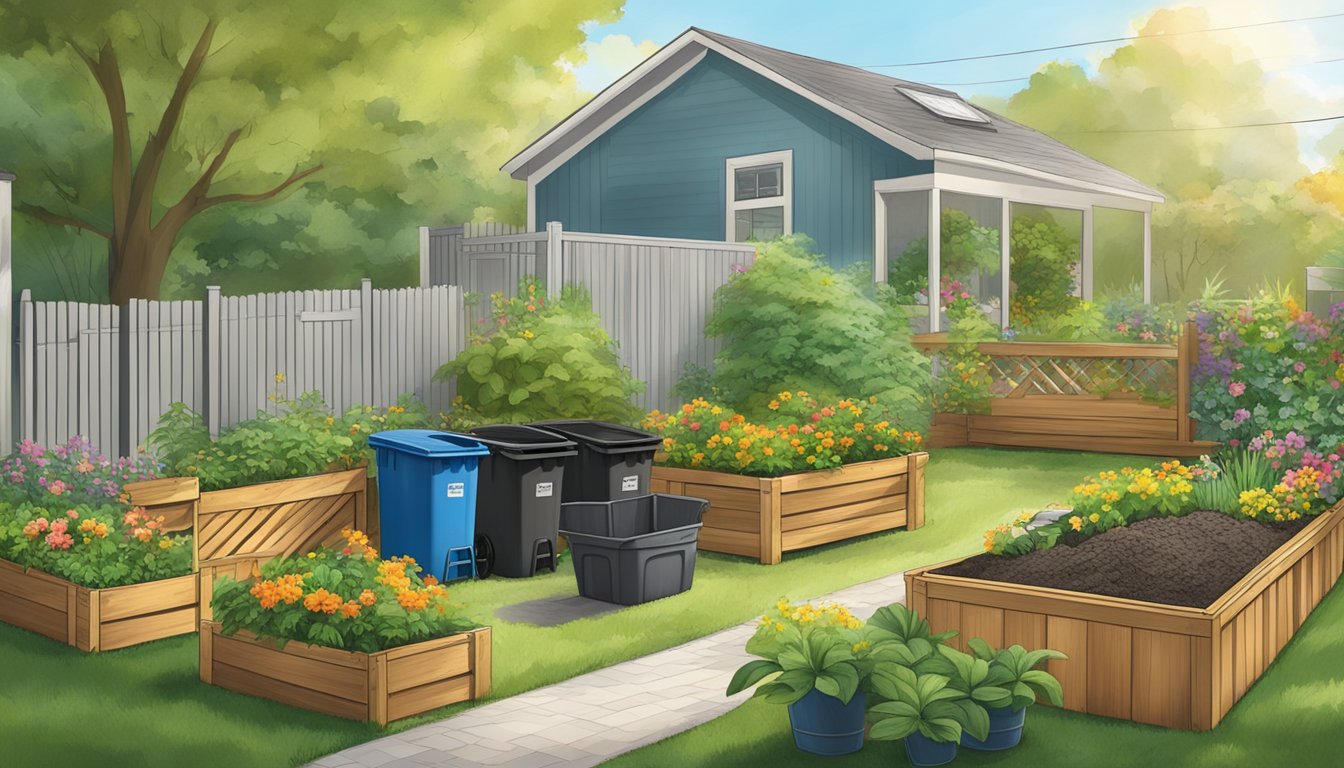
{"x":367,"y":597}
{"x":413,"y":600}
{"x":322,"y":601}
{"x":350,"y":609}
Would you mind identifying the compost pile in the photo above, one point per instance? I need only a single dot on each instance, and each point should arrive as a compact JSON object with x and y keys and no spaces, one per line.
{"x":1187,"y":561}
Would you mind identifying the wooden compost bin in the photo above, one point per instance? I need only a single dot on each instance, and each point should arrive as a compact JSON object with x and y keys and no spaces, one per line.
{"x":764,"y":517}
{"x":381,"y":687}
{"x":116,"y":617}
{"x":1165,"y":665}
{"x":239,"y":527}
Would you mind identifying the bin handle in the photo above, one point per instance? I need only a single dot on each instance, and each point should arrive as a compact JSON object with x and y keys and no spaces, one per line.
{"x":521,"y":456}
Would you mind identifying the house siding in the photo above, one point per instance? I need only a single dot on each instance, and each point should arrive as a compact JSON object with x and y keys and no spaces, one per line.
{"x":660,"y":171}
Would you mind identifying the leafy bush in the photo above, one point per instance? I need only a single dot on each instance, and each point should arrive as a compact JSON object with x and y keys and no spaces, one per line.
{"x":965,"y":248}
{"x":304,"y":437}
{"x":964,"y":383}
{"x":346,"y":598}
{"x":542,"y":361}
{"x":1267,"y":364}
{"x":1043,"y":259}
{"x":789,"y":322}
{"x":96,"y":546}
{"x":801,"y":434}
{"x":806,"y":647}
{"x":70,"y":473}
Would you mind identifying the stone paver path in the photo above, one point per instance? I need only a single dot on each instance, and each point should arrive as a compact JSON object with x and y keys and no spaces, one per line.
{"x":592,"y":718}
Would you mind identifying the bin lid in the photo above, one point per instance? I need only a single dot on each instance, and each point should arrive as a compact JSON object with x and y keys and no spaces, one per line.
{"x":521,"y":439}
{"x":428,"y":442}
{"x":602,"y":434}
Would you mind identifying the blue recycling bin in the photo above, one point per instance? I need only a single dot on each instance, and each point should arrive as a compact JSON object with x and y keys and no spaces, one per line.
{"x":427,"y":498}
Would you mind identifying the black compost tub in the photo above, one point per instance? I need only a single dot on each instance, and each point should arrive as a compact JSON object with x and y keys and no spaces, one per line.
{"x":632,"y":551}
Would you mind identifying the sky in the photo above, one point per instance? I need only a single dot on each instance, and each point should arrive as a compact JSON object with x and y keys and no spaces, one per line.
{"x":1296,"y":56}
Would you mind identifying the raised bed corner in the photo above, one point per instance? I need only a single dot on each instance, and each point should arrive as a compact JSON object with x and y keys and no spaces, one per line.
{"x":379,"y":687}
{"x":764,"y":517}
{"x":1165,"y":665}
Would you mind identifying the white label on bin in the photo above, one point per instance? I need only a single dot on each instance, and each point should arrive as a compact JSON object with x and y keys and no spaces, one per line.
{"x":630,"y":483}
{"x":457,"y":490}
{"x":543,"y":489}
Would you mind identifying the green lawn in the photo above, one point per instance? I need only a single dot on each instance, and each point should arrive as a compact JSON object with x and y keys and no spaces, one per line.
{"x":144,"y":706}
{"x":1294,"y":716}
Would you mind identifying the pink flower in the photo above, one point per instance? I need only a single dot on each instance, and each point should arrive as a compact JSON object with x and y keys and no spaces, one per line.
{"x":1240,"y":415}
{"x":1234,"y":442}
{"x":1236,"y":389}
{"x":72,"y":514}
{"x":57,"y":487}
{"x":695,"y":426}
{"x":59,"y":526}
{"x":1299,"y":366}
{"x":59,"y":540}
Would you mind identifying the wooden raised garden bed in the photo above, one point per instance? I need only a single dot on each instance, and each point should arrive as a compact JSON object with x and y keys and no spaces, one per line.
{"x":380,"y":687}
{"x":1165,"y":665}
{"x":96,"y":619}
{"x":764,"y":517}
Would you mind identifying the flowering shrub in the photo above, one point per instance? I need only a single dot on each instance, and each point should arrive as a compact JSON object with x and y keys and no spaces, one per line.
{"x":344,"y":598}
{"x":965,"y":249}
{"x":790,"y":322}
{"x":802,"y":434}
{"x":95,"y":546}
{"x":70,"y":473}
{"x":1308,"y":485}
{"x":1268,"y":364}
{"x":542,"y":361}
{"x":1109,"y":500}
{"x":305,"y":437}
{"x":963,"y":383}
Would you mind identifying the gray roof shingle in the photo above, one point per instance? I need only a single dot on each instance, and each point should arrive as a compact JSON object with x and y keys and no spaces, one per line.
{"x":874,"y":96}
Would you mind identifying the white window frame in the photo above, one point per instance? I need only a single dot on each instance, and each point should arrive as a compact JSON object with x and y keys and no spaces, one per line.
{"x":784,"y":158}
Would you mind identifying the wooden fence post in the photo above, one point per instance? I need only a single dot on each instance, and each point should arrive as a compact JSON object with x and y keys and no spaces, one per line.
{"x":27,"y":421}
{"x":555,"y":244}
{"x":1187,"y":356}
{"x":212,"y":377}
{"x":366,"y":338}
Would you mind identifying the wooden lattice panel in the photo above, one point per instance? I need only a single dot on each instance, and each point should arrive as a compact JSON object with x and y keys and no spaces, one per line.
{"x":1021,"y":376}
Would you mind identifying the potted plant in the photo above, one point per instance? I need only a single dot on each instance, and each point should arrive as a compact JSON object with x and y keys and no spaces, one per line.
{"x":924,"y":711}
{"x":816,"y":660}
{"x":1006,"y":682}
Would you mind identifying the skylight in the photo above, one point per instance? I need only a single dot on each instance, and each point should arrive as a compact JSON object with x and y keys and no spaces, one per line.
{"x":949,"y":107}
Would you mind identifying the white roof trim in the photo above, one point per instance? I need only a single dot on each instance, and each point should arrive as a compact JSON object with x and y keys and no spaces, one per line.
{"x":1054,"y":178}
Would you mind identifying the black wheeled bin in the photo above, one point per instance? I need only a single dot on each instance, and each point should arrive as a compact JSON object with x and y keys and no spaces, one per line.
{"x":613,"y":461}
{"x":631,"y":551}
{"x":519,"y":487}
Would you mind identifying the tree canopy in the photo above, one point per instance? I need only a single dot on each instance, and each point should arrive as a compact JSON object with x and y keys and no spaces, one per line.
{"x":267,"y":144}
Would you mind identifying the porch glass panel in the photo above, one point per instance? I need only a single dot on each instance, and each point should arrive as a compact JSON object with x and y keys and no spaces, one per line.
{"x":1045,"y":265}
{"x":971,"y":263}
{"x":907,"y":230}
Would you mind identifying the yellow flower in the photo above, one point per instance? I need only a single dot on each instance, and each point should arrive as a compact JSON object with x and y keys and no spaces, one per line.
{"x":1076,"y":522}
{"x":1094,"y":517}
{"x":279,"y":378}
{"x":165,"y":543}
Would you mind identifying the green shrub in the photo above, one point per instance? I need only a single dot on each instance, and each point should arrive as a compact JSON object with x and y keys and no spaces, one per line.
{"x":791,"y":323}
{"x":1043,"y":259}
{"x":965,"y":248}
{"x":542,"y":361}
{"x":303,"y":438}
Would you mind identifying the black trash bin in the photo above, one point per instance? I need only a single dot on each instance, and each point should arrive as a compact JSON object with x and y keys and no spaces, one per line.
{"x":519,"y":487}
{"x":613,"y":461}
{"x":632,"y":551}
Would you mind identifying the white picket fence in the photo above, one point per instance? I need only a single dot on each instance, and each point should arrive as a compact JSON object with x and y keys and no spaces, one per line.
{"x":653,"y":294}
{"x":109,"y":372}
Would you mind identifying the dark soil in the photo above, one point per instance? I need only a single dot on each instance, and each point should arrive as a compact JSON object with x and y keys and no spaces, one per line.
{"x":1189,"y":561}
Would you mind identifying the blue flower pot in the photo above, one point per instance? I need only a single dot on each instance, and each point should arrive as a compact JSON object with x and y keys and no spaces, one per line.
{"x":823,"y":725}
{"x":925,"y":751}
{"x":1005,"y":730}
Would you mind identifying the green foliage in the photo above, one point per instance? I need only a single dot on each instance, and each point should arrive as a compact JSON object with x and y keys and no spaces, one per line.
{"x":96,"y":546}
{"x":1043,"y":263}
{"x":1014,"y":673}
{"x":963,"y":383}
{"x":303,"y":437}
{"x":924,"y":703}
{"x":1234,"y":472}
{"x":347,"y":599}
{"x":543,"y":361}
{"x":965,"y":248}
{"x":791,"y":323}
{"x":802,"y":648}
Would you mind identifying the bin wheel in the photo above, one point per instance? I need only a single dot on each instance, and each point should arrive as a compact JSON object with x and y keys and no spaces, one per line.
{"x":485,"y":556}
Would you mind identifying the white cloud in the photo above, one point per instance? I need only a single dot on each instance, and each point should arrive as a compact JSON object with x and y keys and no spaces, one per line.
{"x":609,"y":58}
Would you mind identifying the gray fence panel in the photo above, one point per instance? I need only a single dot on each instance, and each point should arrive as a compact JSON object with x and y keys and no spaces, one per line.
{"x":68,"y":361}
{"x":164,"y":359}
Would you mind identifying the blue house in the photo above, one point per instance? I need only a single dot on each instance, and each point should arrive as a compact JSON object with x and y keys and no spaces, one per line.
{"x":716,"y":138}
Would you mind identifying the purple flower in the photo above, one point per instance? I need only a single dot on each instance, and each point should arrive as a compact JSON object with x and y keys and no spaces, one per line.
{"x":1240,"y":415}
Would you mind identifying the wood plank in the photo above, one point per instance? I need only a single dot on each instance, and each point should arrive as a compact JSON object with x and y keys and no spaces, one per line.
{"x":1226,"y":669}
{"x":1162,"y":679}
{"x":1142,"y":447}
{"x":449,"y":641}
{"x":729,"y":542}
{"x":1024,"y":629}
{"x":263,"y":658}
{"x":33,"y":585}
{"x":833,"y":496}
{"x":1103,"y":350}
{"x":378,"y":689}
{"x":1203,"y":672}
{"x":205,"y":649}
{"x":254,"y":684}
{"x":723,"y":497}
{"x":350,"y":659}
{"x":142,"y":629}
{"x":850,"y":473}
{"x":35,"y":617}
{"x":284,"y":491}
{"x":426,"y":667}
{"x":733,"y":519}
{"x":1079,"y":407}
{"x":1286,"y":557}
{"x":83,"y":640}
{"x":165,"y":490}
{"x":825,"y":534}
{"x":1109,"y":670}
{"x":704,"y":477}
{"x":945,"y":616}
{"x":770,"y":503}
{"x":844,"y":512}
{"x":983,"y":622}
{"x":1069,"y":636}
{"x":1103,"y":427}
{"x":915,"y":496}
{"x":481,"y":669}
{"x":427,"y":697}
{"x":150,"y":597}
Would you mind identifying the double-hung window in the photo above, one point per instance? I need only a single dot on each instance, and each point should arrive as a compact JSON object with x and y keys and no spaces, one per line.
{"x":760,"y":196}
